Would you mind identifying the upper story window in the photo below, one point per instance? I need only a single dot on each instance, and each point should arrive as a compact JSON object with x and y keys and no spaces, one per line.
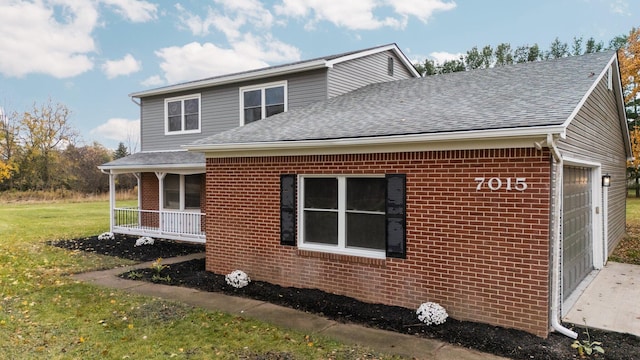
{"x":182,"y":114}
{"x":261,"y":101}
{"x":343,"y":214}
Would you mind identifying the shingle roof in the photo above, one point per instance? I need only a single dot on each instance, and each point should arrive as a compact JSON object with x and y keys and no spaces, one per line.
{"x":535,"y":94}
{"x":160,"y":159}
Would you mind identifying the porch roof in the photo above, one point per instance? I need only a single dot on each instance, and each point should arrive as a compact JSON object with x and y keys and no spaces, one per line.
{"x":174,"y":161}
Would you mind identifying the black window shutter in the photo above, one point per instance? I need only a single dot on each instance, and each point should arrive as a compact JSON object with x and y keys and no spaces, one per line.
{"x":396,"y":216}
{"x":288,"y":209}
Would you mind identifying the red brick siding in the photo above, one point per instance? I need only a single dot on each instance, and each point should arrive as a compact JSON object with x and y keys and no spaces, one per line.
{"x":483,"y":255}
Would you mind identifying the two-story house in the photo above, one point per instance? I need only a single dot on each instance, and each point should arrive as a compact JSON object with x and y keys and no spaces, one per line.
{"x":172,"y":181}
{"x":493,"y":192}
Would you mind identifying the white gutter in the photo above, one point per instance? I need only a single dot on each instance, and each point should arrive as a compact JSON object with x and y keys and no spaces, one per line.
{"x":380,"y":140}
{"x":555,"y":279}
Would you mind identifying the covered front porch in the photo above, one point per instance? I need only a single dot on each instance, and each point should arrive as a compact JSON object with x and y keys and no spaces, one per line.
{"x":170,"y":193}
{"x":174,"y":225}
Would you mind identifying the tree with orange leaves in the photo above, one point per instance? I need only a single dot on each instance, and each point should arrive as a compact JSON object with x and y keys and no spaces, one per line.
{"x":629,"y":57}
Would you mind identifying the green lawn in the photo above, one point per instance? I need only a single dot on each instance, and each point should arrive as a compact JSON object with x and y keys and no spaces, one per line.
{"x":45,"y":314}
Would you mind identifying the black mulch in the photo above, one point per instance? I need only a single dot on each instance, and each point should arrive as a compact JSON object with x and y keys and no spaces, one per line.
{"x":486,"y":338}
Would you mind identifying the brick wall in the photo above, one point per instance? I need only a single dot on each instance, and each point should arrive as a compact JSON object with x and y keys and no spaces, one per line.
{"x":483,"y":255}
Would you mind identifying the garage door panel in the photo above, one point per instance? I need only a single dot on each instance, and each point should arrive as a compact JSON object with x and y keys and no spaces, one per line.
{"x":577,"y":227}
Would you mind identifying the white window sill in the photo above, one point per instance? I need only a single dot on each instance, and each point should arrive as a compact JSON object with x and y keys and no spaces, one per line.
{"x":373,"y":254}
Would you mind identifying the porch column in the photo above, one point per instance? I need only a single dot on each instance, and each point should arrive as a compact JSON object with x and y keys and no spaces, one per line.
{"x":112,"y":200}
{"x":160,"y":176}
{"x":139,"y":183}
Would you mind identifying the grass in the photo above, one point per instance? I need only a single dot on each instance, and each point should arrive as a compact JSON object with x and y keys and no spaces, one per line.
{"x":628,"y":250}
{"x":45,"y":314}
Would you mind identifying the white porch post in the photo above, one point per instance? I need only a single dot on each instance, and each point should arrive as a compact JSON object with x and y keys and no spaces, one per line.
{"x":139,"y":183}
{"x":160,"y":176}
{"x":112,"y":200}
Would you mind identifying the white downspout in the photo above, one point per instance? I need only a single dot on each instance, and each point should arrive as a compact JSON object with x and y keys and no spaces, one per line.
{"x":555,"y":280}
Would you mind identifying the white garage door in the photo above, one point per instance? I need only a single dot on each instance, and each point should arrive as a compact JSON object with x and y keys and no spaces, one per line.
{"x":577,"y":227}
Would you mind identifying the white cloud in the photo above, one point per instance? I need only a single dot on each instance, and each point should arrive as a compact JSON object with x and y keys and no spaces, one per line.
{"x":195,"y":61}
{"x":620,"y":7}
{"x":440,"y":56}
{"x":124,"y":66}
{"x":246,"y":24}
{"x":54,"y":37}
{"x":421,"y":9}
{"x":360,"y":15}
{"x":229,"y":18}
{"x":134,"y":10}
{"x":154,"y":80}
{"x":118,"y":129}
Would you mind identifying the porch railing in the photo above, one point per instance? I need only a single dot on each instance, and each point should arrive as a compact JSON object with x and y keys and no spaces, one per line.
{"x":175,"y":225}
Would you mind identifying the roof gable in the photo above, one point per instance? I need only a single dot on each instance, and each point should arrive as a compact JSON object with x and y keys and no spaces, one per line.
{"x":295,"y":67}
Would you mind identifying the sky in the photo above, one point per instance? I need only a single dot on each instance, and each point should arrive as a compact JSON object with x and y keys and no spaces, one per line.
{"x":89,"y":55}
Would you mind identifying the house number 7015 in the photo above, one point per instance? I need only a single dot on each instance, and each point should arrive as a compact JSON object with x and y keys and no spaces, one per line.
{"x":518,"y":184}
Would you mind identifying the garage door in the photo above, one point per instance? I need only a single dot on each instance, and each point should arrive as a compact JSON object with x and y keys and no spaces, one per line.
{"x":577,"y":227}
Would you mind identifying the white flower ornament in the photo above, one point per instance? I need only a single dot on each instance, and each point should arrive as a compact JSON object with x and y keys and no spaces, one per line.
{"x":432,"y":313}
{"x":238,"y":279}
{"x":145,"y":240}
{"x":106,"y":236}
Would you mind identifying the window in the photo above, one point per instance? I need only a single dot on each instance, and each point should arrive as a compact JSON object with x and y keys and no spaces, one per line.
{"x":344,"y":214}
{"x":182,"y":192}
{"x":182,"y":114}
{"x":259,"y":102}
{"x":390,"y":66}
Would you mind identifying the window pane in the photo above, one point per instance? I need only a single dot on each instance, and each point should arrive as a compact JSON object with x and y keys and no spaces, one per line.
{"x":192,"y":191}
{"x":175,"y":123}
{"x":172,"y":191}
{"x":191,"y":106}
{"x":174,"y":108}
{"x":366,"y":231}
{"x":252,"y":98}
{"x":321,"y":193}
{"x":252,"y":114}
{"x":321,"y":227}
{"x":274,"y":95}
{"x":366,"y":194}
{"x":191,"y":122}
{"x":274,"y":109}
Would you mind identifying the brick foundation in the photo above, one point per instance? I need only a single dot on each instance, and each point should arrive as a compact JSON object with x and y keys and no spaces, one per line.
{"x":483,"y":255}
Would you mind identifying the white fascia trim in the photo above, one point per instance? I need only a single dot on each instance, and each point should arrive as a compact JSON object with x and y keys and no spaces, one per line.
{"x":234,"y":78}
{"x":504,"y":138}
{"x":595,"y":83}
{"x":360,"y":54}
{"x":177,"y":168}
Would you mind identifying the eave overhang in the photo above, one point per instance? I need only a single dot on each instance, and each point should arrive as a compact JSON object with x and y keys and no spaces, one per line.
{"x":466,"y":140}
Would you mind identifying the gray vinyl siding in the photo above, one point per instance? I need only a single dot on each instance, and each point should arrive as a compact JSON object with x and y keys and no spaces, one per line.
{"x":596,"y":135}
{"x":220,"y":108}
{"x":353,"y":74}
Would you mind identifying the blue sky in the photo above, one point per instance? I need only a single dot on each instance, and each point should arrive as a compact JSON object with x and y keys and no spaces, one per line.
{"x":90,"y":54}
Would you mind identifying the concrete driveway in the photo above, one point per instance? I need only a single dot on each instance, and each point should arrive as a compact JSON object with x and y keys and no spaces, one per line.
{"x":610,"y":301}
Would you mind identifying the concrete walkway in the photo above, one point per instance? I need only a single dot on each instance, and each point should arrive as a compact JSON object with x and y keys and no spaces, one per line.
{"x":610,"y":301}
{"x":379,"y":340}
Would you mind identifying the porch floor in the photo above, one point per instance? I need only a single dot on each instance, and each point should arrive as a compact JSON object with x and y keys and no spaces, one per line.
{"x":610,"y":301}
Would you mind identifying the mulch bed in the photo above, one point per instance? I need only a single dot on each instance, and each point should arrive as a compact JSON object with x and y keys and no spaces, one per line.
{"x":509,"y":343}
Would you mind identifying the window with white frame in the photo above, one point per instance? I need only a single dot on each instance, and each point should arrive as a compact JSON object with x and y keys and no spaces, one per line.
{"x":262,"y":101}
{"x":182,"y":192}
{"x":182,"y":114}
{"x":343,"y":214}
